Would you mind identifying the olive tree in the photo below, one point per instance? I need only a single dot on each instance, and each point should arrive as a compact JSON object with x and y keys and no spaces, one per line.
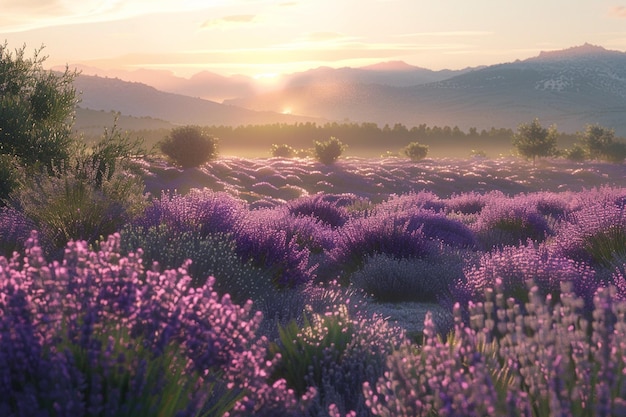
{"x":533,"y":140}
{"x":37,"y":108}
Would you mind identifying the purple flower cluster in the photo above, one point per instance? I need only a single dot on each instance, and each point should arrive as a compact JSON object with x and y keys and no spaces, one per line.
{"x":594,"y":234}
{"x":98,"y":335}
{"x":544,"y":361}
{"x":505,"y":221}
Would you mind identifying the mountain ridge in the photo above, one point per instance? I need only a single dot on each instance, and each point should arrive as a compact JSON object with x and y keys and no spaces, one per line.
{"x":570,"y":88}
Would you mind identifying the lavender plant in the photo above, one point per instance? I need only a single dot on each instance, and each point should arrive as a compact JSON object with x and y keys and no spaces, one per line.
{"x":547,"y":361}
{"x":321,"y":208}
{"x":514,"y":267}
{"x":506,"y":222}
{"x":595,"y":234}
{"x":98,"y":335}
{"x":335,"y":353}
{"x":389,"y":279}
{"x":213,"y":255}
{"x":362,"y":237}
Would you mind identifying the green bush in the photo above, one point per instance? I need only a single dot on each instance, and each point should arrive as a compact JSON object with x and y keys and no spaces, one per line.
{"x":282,"y":151}
{"x":189,"y":146}
{"x":10,"y":174}
{"x":576,"y":154}
{"x":66,"y":206}
{"x":213,"y":255}
{"x":36,"y":109}
{"x":416,"y":151}
{"x":329,"y":151}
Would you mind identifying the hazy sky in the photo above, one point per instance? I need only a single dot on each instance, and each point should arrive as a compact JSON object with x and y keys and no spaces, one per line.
{"x":255,"y":37}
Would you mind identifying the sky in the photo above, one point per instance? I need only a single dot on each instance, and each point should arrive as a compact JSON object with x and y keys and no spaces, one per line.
{"x":262,"y":38}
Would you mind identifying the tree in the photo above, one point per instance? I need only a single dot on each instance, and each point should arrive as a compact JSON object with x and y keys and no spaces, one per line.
{"x":598,"y":142}
{"x":189,"y":146}
{"x":532,"y":140}
{"x":36,"y":109}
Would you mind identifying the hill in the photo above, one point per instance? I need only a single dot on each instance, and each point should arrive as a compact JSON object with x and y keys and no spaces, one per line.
{"x":571,"y":88}
{"x":142,"y":101}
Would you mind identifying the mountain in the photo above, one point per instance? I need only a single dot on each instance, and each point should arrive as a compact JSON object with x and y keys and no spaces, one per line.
{"x":391,"y":73}
{"x":142,"y":101}
{"x":569,"y":88}
{"x":204,"y":84}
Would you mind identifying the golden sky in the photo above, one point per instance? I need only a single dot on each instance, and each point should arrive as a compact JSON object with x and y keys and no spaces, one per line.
{"x":256,"y":37}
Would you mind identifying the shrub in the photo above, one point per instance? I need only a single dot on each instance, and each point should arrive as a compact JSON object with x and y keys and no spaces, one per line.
{"x":36,"y":109}
{"x":416,"y":151}
{"x":211,"y":255}
{"x":15,"y":230}
{"x":596,"y":234}
{"x":329,"y":151}
{"x":363,"y":237}
{"x":68,"y":206}
{"x":282,"y":151}
{"x":389,"y":279}
{"x":10,"y":176}
{"x":335,"y":354}
{"x":97,"y":335}
{"x":319,"y":207}
{"x":576,"y":154}
{"x":505,"y":222}
{"x":189,"y":146}
{"x":517,"y":266}
{"x":545,"y":361}
{"x":202,"y":211}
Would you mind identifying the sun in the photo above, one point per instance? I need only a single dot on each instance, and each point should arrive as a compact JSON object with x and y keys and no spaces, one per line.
{"x":286,"y":110}
{"x":267,"y":80}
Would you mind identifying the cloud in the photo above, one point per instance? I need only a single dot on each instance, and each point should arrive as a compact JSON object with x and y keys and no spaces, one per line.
{"x":24,"y":15}
{"x":618,"y":11}
{"x":229,"y":21}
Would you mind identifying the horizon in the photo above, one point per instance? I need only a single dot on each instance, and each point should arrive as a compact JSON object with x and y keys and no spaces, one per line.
{"x":263,"y":38}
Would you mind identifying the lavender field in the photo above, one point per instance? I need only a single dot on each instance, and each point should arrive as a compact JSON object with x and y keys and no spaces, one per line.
{"x":284,"y":287}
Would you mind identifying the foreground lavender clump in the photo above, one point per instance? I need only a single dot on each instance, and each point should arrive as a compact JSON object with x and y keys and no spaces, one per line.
{"x":547,"y":361}
{"x":98,"y":335}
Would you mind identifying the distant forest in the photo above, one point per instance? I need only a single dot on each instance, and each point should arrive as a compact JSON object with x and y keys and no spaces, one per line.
{"x":364,"y":139}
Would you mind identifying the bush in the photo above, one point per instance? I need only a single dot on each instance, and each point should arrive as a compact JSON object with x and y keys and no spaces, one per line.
{"x":388,"y":279}
{"x":211,"y":255}
{"x":10,"y":176}
{"x":416,"y":151}
{"x":282,"y":151}
{"x":189,"y":146}
{"x":68,"y":206}
{"x":576,"y":154}
{"x":335,"y":354}
{"x":329,"y":151}
{"x":36,"y":109}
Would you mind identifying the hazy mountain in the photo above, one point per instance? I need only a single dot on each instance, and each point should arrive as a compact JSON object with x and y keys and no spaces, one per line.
{"x":571,"y":88}
{"x":392,"y":73}
{"x":140,"y":100}
{"x":204,"y":84}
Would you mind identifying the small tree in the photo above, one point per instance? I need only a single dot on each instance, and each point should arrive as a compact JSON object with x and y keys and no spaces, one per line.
{"x":416,"y":151}
{"x":189,"y":146}
{"x":36,"y":109}
{"x":595,"y":139}
{"x":532,"y":140}
{"x":329,"y":151}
